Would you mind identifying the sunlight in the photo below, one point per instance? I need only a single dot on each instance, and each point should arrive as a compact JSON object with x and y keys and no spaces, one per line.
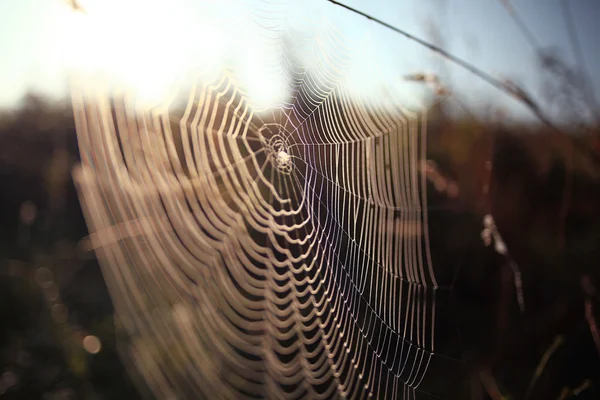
{"x":150,"y":47}
{"x":144,"y":46}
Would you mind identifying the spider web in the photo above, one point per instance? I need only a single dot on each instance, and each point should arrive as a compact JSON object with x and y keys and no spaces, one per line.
{"x":277,"y":252}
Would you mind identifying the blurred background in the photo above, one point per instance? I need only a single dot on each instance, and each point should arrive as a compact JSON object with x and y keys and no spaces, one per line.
{"x":525,"y":150}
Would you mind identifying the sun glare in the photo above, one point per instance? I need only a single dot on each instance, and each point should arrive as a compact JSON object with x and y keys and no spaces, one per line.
{"x":151,"y":46}
{"x":141,"y":45}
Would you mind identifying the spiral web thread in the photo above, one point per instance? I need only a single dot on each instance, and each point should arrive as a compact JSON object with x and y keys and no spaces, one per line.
{"x":278,"y":253}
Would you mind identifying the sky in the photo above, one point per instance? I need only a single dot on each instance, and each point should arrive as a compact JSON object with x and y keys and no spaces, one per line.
{"x":149,"y":44}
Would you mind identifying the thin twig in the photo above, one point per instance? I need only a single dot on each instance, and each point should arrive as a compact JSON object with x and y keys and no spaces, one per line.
{"x":520,"y":24}
{"x":568,"y":392}
{"x":490,"y":386}
{"x":440,"y":89}
{"x":518,"y":284}
{"x":566,"y":201}
{"x":507,"y":87}
{"x":542,"y":364}
{"x":589,"y":316}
